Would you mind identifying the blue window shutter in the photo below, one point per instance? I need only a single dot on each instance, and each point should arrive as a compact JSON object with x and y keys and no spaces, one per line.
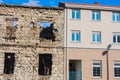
{"x":77,"y":36}
{"x":73,"y":36}
{"x":98,"y":38}
{"x":93,"y":16}
{"x":98,"y":16}
{"x":78,"y":14}
{"x":73,"y":14}
{"x":113,"y":17}
{"x":93,"y":37}
{"x":118,"y":17}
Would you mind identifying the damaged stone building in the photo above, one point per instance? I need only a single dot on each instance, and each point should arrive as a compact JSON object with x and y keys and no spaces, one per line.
{"x":31,"y":43}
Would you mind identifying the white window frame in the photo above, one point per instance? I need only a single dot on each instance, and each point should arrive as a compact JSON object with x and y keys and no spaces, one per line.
{"x":116,"y":17}
{"x":95,"y":15}
{"x":75,"y":35}
{"x":98,"y":62}
{"x":96,"y":33}
{"x":116,"y":37}
{"x":116,"y":66}
{"x":75,"y":12}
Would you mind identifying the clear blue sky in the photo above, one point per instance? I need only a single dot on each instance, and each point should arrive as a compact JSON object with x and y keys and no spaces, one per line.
{"x":55,"y":2}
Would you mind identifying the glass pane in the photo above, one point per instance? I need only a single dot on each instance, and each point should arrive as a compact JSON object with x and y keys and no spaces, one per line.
{"x":96,"y":71}
{"x":117,"y":72}
{"x":114,"y":38}
{"x":118,"y":38}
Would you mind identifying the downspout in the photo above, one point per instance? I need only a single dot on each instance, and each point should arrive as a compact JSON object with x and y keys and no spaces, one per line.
{"x":67,"y":62}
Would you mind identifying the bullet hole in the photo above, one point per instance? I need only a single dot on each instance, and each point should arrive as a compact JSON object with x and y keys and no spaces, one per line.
{"x":31,"y":24}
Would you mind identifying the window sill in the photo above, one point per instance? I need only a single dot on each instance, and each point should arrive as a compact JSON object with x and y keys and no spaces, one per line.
{"x":117,"y":77}
{"x":95,"y":20}
{"x":97,"y":77}
{"x":116,"y":43}
{"x":75,"y":41}
{"x":75,"y":19}
{"x":115,"y":21}
{"x":95,"y":42}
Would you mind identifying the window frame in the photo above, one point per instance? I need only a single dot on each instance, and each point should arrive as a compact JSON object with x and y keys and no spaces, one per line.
{"x":96,"y":14}
{"x":116,"y":34}
{"x":100,"y":66}
{"x":76,"y":12}
{"x":75,"y":35}
{"x":96,"y":34}
{"x":116,"y":16}
{"x":116,"y":67}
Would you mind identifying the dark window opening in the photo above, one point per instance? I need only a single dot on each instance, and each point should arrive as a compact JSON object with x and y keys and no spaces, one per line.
{"x":45,"y":64}
{"x":11,"y":29}
{"x":9,"y":63}
{"x":47,"y":31}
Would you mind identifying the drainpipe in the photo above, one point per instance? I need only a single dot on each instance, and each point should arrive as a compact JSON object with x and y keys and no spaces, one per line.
{"x":67,"y":61}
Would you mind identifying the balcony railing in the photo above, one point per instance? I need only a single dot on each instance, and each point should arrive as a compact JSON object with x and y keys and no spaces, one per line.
{"x":75,"y":75}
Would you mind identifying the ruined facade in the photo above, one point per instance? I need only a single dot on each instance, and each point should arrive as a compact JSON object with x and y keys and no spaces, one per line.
{"x":28,"y":49}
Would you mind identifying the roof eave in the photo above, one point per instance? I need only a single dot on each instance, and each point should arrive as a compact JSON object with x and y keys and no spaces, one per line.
{"x":92,"y":7}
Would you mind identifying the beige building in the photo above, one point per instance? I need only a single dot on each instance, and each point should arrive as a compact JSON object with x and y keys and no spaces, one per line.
{"x":89,"y":29}
{"x":31,"y":43}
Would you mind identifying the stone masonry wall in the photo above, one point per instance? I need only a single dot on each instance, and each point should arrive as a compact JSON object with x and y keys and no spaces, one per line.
{"x":27,"y":44}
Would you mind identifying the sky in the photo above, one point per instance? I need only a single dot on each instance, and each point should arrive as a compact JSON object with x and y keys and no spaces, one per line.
{"x":54,"y":3}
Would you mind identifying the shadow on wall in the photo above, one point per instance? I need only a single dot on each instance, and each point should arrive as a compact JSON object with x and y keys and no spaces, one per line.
{"x":48,"y":31}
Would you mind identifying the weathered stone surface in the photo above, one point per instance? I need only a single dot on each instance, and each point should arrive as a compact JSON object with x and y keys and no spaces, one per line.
{"x":27,"y":45}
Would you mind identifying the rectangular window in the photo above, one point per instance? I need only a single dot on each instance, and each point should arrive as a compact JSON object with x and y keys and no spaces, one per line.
{"x":116,"y":37}
{"x":97,"y":69}
{"x":116,"y":16}
{"x":96,"y":15}
{"x":75,"y":14}
{"x":96,"y":37}
{"x":45,"y":64}
{"x":9,"y":63}
{"x":117,"y":69}
{"x":75,"y":36}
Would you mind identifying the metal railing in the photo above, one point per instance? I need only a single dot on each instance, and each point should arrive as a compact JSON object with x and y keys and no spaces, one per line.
{"x":75,"y":75}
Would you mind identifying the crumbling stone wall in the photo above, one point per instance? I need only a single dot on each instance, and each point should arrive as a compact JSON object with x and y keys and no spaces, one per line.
{"x":27,"y":44}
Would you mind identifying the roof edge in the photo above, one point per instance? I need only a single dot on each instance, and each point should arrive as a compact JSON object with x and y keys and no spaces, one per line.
{"x":89,"y":6}
{"x":33,"y":7}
